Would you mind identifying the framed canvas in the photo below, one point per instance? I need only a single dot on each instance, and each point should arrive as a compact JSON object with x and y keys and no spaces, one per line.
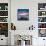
{"x":22,"y":14}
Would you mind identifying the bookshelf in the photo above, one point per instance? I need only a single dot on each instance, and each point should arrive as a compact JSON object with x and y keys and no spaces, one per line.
{"x":42,"y":19}
{"x":4,"y":19}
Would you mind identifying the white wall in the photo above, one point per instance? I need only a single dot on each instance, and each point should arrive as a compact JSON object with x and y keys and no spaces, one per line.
{"x":24,"y":4}
{"x":32,"y":5}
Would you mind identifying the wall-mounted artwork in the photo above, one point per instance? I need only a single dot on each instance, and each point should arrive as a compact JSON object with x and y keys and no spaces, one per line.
{"x":22,"y":14}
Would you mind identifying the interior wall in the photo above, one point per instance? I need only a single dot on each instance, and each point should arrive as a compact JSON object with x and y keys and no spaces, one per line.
{"x":25,"y":4}
{"x":32,"y":5}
